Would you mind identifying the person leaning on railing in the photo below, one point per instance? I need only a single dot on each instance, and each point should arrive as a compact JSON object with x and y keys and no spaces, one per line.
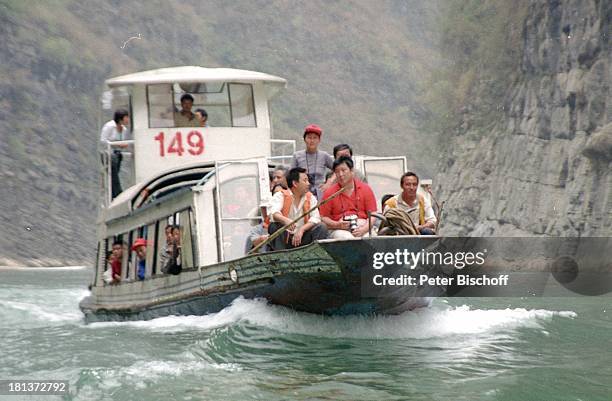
{"x":140,"y":248}
{"x":115,"y":130}
{"x":170,"y":256}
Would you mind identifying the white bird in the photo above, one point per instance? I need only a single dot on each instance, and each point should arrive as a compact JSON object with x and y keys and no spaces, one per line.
{"x":127,"y":41}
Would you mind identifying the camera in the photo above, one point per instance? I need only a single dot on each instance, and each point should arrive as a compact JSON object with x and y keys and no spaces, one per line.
{"x":311,"y":181}
{"x":352,"y":219}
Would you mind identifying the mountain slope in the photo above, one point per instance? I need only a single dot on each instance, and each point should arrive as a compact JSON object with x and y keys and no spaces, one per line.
{"x":355,"y":68}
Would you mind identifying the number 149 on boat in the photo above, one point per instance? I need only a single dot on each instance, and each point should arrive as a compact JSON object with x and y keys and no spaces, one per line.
{"x":173,"y":144}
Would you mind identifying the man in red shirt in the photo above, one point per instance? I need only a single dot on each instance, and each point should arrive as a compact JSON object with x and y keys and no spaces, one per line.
{"x":346,"y":215}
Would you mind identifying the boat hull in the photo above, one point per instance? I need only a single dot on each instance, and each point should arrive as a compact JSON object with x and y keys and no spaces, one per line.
{"x":327,"y":277}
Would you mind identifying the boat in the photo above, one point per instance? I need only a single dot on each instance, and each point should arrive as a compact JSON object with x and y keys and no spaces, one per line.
{"x":207,"y":181}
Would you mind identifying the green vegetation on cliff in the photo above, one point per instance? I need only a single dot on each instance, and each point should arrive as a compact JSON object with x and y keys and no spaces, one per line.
{"x":481,"y":43}
{"x":356,"y":68}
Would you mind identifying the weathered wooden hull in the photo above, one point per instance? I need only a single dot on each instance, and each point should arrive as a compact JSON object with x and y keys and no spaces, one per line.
{"x":324,"y":278}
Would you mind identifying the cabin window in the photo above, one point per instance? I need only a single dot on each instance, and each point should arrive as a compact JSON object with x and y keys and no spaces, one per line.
{"x":110,"y":253}
{"x":175,"y":229}
{"x":141,"y":258}
{"x":227,"y":104}
{"x":161,"y":106}
{"x":186,"y":239}
{"x":164,"y":239}
{"x":243,"y":108}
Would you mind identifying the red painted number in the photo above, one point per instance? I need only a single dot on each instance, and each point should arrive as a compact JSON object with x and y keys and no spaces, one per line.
{"x":160,"y":138}
{"x":195,"y":144}
{"x":176,"y":144}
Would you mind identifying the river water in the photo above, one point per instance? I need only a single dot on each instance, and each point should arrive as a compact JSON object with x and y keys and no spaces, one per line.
{"x":459,"y":349}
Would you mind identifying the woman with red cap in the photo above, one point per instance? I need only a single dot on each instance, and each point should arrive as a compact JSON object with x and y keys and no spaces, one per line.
{"x":313,"y":160}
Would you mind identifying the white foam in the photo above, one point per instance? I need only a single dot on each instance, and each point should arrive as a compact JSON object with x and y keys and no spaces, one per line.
{"x":46,"y":306}
{"x":141,"y":372}
{"x":438,"y":321}
{"x":225,"y":317}
{"x":423,"y":323}
{"x":40,"y":313}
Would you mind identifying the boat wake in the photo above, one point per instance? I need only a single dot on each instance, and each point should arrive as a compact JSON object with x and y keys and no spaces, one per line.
{"x":440,"y":320}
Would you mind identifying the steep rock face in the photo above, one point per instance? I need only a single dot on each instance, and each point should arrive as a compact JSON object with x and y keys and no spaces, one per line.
{"x":546,"y":168}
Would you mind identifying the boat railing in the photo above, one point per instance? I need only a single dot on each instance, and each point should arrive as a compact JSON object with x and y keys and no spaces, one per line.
{"x":282,"y":150}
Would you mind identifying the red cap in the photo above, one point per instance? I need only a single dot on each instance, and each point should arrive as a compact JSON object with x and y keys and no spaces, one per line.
{"x":313,"y":128}
{"x":139,"y":242}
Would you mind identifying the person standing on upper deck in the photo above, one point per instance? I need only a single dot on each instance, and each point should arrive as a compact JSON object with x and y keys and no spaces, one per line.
{"x":185,"y":117}
{"x":313,"y":160}
{"x":115,"y":130}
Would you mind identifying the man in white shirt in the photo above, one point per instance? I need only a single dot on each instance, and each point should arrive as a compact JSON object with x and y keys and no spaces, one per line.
{"x":115,"y":130}
{"x":287,"y":205}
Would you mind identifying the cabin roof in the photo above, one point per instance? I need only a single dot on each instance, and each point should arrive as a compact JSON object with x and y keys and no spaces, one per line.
{"x":194,"y":74}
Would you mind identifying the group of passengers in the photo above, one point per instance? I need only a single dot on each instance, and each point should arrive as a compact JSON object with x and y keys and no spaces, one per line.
{"x":186,"y":118}
{"x":169,"y":255}
{"x":346,"y":200}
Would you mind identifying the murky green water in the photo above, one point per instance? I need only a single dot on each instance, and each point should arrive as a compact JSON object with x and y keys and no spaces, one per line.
{"x":459,"y":349}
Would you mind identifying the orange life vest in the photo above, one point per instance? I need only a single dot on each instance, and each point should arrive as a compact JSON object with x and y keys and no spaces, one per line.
{"x":288,"y":199}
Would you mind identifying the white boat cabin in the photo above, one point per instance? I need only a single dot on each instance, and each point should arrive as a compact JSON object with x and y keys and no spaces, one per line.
{"x":208,"y":181}
{"x":236,"y":101}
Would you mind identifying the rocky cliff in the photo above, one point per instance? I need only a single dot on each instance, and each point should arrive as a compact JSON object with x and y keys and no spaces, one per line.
{"x":518,"y":94}
{"x":543,"y":166}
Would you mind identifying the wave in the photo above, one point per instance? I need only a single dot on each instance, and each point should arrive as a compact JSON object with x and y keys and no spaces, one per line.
{"x":437,"y":321}
{"x":42,"y":307}
{"x":142,"y":374}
